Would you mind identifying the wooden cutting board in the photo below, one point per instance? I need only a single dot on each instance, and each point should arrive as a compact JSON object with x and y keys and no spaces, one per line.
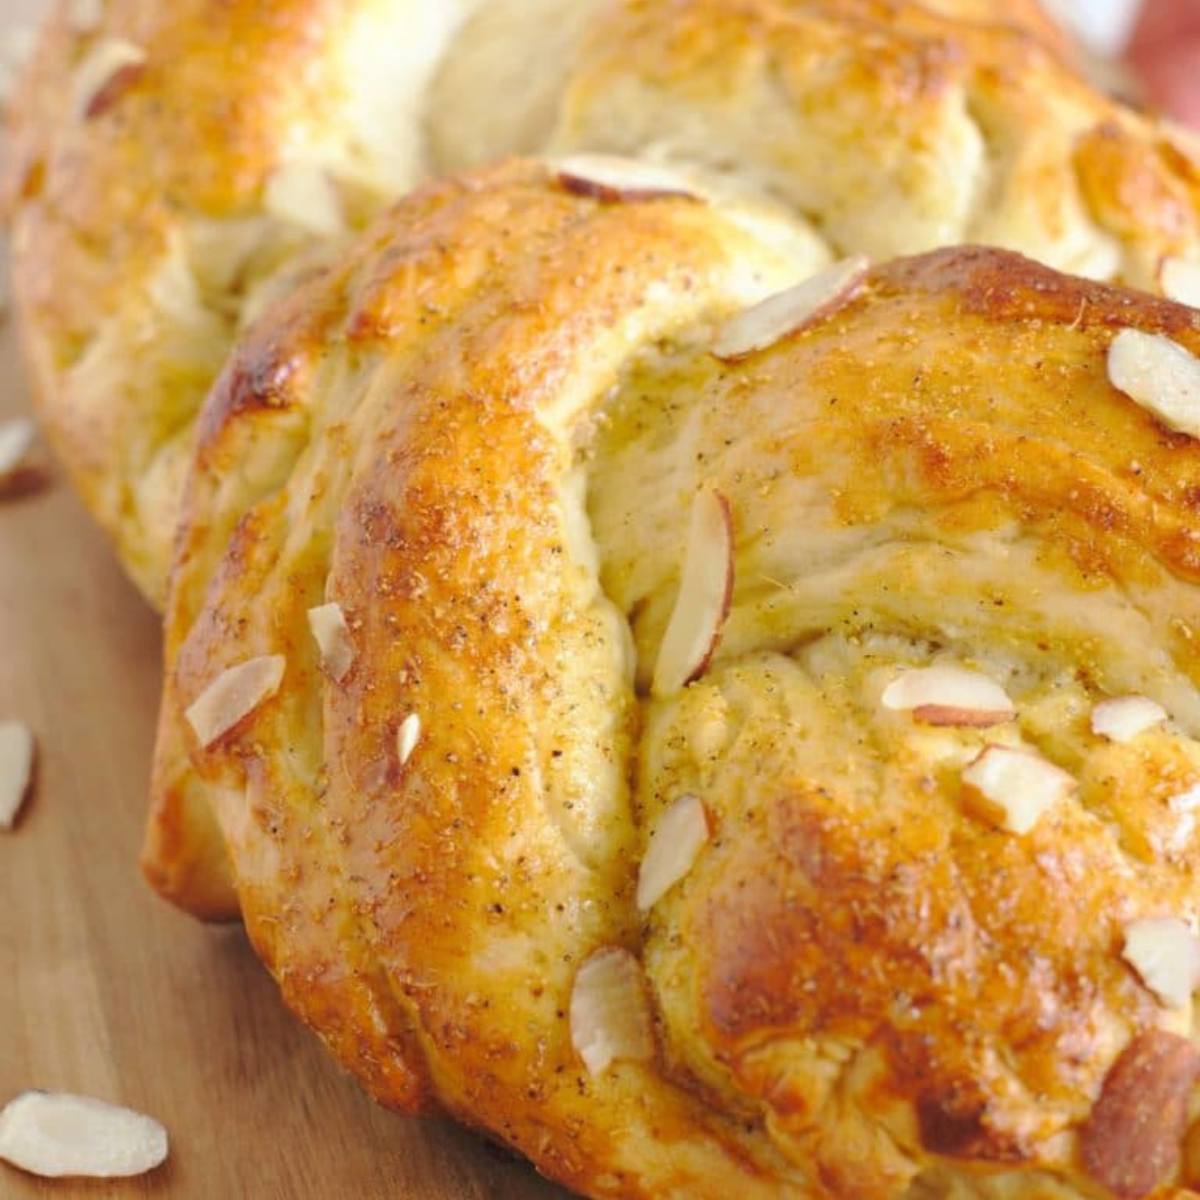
{"x":105,"y":989}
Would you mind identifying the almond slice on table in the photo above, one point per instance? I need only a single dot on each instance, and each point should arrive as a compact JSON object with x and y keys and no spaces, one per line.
{"x":1125,"y":717}
{"x":946,"y":695}
{"x":613,"y":179}
{"x":57,"y":1134}
{"x":234,"y":694}
{"x":705,"y":594}
{"x":108,"y":69}
{"x":407,"y":737}
{"x":791,"y":311}
{"x":1014,"y":788}
{"x":671,"y":850}
{"x":304,"y":195}
{"x":16,"y":440}
{"x":16,"y":769}
{"x":1166,"y":955}
{"x":332,"y":635}
{"x":609,"y":1016}
{"x":1179,"y":279}
{"x":1159,"y":375}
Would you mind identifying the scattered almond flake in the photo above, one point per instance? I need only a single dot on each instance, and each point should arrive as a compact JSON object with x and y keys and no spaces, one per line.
{"x":671,"y":850}
{"x":1123,"y":718}
{"x":1182,"y":834}
{"x":56,"y":1134}
{"x":16,"y":769}
{"x":1166,"y":955}
{"x":792,"y":311}
{"x":1013,"y":788}
{"x":705,"y":594}
{"x":16,"y":440}
{"x":86,"y":16}
{"x":407,"y":737}
{"x":332,"y":635}
{"x":234,"y":694}
{"x":1179,"y":279}
{"x":1185,"y":802}
{"x":1185,"y":805}
{"x":304,"y":195}
{"x":609,"y":1016}
{"x":612,"y":179}
{"x":107,"y":69}
{"x":945,"y":695}
{"x":1158,"y":374}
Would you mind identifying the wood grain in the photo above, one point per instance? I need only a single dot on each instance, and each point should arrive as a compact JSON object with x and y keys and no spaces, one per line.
{"x":106,"y":990}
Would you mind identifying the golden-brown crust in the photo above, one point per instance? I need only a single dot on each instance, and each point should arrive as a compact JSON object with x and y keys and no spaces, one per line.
{"x":144,"y":233}
{"x":420,"y":309}
{"x":860,"y":989}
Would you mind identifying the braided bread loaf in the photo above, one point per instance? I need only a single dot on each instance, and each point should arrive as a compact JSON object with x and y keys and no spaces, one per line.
{"x":178,"y":165}
{"x":893,"y":900}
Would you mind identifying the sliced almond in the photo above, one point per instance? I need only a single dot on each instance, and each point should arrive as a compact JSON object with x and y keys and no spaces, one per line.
{"x":1124,"y":718}
{"x":332,"y":635}
{"x":705,"y":594}
{"x":792,"y":311}
{"x":1132,"y":1140}
{"x":16,"y":769}
{"x":609,"y":1016}
{"x":612,"y":179}
{"x":16,"y":440}
{"x":1158,"y":374}
{"x":1179,"y":279}
{"x":945,"y":695}
{"x":1166,"y":955}
{"x":234,"y":694}
{"x":1185,"y":802}
{"x":56,"y":1134}
{"x":1014,"y":788}
{"x":407,"y":737}
{"x":671,"y":850}
{"x":1184,"y":806}
{"x":303,"y":194}
{"x":109,"y":68}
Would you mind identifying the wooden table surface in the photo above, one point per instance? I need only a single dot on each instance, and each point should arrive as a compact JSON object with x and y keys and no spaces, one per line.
{"x":105,"y":989}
